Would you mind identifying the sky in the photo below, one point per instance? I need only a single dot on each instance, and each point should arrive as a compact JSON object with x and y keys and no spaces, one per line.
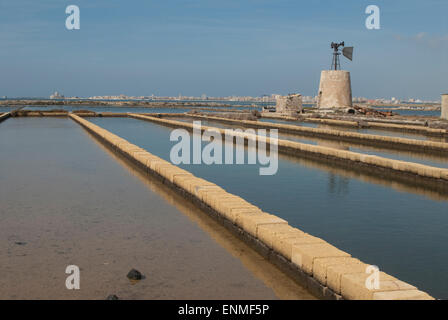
{"x":220,"y":48}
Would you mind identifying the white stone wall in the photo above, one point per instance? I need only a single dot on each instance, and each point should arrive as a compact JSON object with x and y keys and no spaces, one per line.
{"x":444,"y":113}
{"x":289,"y":104}
{"x":335,"y":89}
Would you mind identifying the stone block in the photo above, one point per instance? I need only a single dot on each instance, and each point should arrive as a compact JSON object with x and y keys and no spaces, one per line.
{"x":141,"y":157}
{"x":353,"y":286}
{"x":229,"y":201}
{"x":198,"y":183}
{"x":269,"y":233}
{"x":322,"y":264}
{"x":335,"y":273}
{"x":402,"y":295}
{"x":156,"y":163}
{"x":184,"y":182}
{"x":236,"y":213}
{"x":433,"y":173}
{"x":251,"y":222}
{"x":284,"y":244}
{"x":172,"y":174}
{"x":303,"y":255}
{"x":159,"y":164}
{"x":167,"y":170}
{"x":130,"y":149}
{"x":211,"y":196}
{"x":163,"y":168}
{"x":227,"y":197}
{"x":202,"y":190}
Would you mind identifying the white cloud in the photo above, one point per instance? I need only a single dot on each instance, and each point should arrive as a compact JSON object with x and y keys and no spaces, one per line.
{"x":424,"y":39}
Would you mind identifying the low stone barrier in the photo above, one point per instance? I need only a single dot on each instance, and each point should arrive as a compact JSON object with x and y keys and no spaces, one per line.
{"x":333,"y":122}
{"x":409,"y":128}
{"x":273,"y":115}
{"x":102,"y":114}
{"x":42,"y":114}
{"x":322,"y":268}
{"x":412,"y":145}
{"x":4,"y":116}
{"x":406,"y":169}
{"x":382,"y":126}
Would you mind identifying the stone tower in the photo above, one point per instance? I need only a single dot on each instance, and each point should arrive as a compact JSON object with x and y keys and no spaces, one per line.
{"x":335,"y":90}
{"x":444,"y":113}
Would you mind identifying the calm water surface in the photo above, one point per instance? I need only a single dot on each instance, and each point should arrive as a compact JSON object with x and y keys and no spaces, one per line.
{"x":108,"y":109}
{"x":65,"y":199}
{"x":6,"y":109}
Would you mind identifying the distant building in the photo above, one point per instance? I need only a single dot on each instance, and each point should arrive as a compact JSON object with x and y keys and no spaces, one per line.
{"x":444,"y":107}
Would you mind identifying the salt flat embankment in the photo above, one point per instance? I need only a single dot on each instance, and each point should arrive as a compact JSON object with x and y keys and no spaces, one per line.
{"x":326,"y":271}
{"x":408,"y":171}
{"x":4,"y":116}
{"x":339,"y":135}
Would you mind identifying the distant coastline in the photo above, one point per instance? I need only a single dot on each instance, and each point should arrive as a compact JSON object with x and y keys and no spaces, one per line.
{"x":191,"y":103}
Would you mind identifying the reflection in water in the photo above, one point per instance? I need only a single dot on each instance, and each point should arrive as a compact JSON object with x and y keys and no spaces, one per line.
{"x":338,"y":185}
{"x":367,"y":177}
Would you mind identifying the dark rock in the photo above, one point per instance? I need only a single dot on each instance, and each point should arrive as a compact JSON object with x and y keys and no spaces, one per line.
{"x":20,"y":243}
{"x":134,"y":275}
{"x":112,"y":297}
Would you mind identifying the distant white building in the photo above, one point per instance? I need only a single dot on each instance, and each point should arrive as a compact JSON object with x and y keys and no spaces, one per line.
{"x":56,"y":95}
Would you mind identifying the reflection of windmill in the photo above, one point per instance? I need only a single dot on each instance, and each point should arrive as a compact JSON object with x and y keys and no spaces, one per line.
{"x":347,"y":52}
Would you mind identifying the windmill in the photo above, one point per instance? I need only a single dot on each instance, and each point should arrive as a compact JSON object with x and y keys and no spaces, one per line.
{"x":346,"y":51}
{"x":335,"y":89}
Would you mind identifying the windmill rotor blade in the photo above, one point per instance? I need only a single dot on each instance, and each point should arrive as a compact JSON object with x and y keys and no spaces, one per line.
{"x":348,"y":53}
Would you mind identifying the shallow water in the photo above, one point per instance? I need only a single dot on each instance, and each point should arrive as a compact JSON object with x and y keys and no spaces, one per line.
{"x":427,"y":113}
{"x":136,"y":109}
{"x":65,"y":200}
{"x":402,"y":229}
{"x":108,"y":109}
{"x":6,"y":109}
